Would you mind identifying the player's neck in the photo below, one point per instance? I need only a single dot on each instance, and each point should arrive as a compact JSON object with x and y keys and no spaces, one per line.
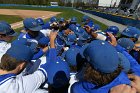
{"x":2,"y":72}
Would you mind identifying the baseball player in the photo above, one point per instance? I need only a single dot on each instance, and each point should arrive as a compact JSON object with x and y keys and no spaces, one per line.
{"x":73,"y":20}
{"x":87,"y":21}
{"x":40,"y":21}
{"x":75,"y":62}
{"x":62,"y":24}
{"x":33,"y":34}
{"x":6,"y":35}
{"x":15,"y":60}
{"x":33,"y":30}
{"x":47,"y":25}
{"x":114,"y":30}
{"x":94,"y":35}
{"x":102,"y":69}
{"x":128,"y":45}
{"x":133,"y":33}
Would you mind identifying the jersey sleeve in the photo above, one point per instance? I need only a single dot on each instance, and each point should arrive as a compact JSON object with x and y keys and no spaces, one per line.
{"x":32,"y":82}
{"x":135,"y":67}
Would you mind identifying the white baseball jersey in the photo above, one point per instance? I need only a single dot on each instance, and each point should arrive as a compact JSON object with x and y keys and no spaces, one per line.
{"x":73,"y":79}
{"x":25,"y":84}
{"x":4,"y":46}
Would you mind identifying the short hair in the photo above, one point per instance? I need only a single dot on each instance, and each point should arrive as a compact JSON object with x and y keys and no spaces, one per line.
{"x":9,"y":63}
{"x":99,"y":78}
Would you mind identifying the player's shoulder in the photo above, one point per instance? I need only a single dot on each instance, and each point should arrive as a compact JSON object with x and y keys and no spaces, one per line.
{"x":78,"y":88}
{"x":4,"y":46}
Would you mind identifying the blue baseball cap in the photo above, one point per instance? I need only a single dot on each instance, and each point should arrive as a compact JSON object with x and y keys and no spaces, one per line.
{"x":44,"y":41}
{"x":71,"y":56}
{"x":62,"y":19}
{"x":59,"y":41}
{"x":72,"y":27}
{"x":26,"y":42}
{"x":80,"y":30}
{"x":131,"y":32}
{"x":31,"y":24}
{"x":112,"y":29}
{"x":4,"y":22}
{"x":82,"y":50}
{"x":7,"y":30}
{"x":126,"y":43}
{"x":84,"y":36}
{"x":96,"y":27}
{"x":85,"y":18}
{"x":58,"y":73}
{"x":40,"y":21}
{"x":124,"y":62}
{"x":73,"y":20}
{"x":19,"y":41}
{"x":46,"y":26}
{"x":53,"y":19}
{"x":20,"y":52}
{"x":102,"y":56}
{"x":78,"y":25}
{"x":71,"y":38}
{"x":59,"y":44}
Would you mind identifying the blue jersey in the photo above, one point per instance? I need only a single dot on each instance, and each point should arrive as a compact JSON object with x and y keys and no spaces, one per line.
{"x":135,"y":67}
{"x":46,"y":26}
{"x":87,"y":87}
{"x":26,"y":35}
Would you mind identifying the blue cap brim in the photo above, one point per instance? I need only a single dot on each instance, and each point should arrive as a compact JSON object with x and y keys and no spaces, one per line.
{"x":15,"y":34}
{"x":77,"y":33}
{"x":38,"y":28}
{"x":82,"y":50}
{"x":81,"y":38}
{"x":126,"y":34}
{"x":124,"y":62}
{"x":69,"y":43}
{"x":73,"y":21}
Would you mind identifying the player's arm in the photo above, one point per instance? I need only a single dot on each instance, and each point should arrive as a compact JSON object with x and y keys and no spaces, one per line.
{"x":94,"y":35}
{"x":30,"y":83}
{"x":40,"y":53}
{"x":123,"y":89}
{"x":89,"y":31}
{"x":135,"y":67}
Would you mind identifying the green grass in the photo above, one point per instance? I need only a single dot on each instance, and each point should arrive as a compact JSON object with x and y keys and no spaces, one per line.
{"x":66,"y":13}
{"x":10,"y":18}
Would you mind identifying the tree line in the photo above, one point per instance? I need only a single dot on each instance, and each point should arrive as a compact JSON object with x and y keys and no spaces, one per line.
{"x":44,"y":2}
{"x":30,"y":2}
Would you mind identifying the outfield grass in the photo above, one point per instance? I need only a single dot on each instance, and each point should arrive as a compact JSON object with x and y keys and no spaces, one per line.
{"x":10,"y":18}
{"x":66,"y":13}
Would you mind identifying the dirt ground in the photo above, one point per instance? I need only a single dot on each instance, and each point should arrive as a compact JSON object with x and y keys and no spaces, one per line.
{"x":27,"y":13}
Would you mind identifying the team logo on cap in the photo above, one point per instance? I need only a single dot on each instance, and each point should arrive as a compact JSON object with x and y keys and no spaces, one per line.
{"x":39,"y":20}
{"x":127,"y":30}
{"x":34,"y":23}
{"x":135,"y":35}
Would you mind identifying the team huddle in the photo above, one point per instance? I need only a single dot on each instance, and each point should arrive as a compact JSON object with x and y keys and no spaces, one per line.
{"x":63,"y":56}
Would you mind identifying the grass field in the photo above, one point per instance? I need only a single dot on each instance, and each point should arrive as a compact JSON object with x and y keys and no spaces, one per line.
{"x":66,"y":13}
{"x":10,"y":18}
